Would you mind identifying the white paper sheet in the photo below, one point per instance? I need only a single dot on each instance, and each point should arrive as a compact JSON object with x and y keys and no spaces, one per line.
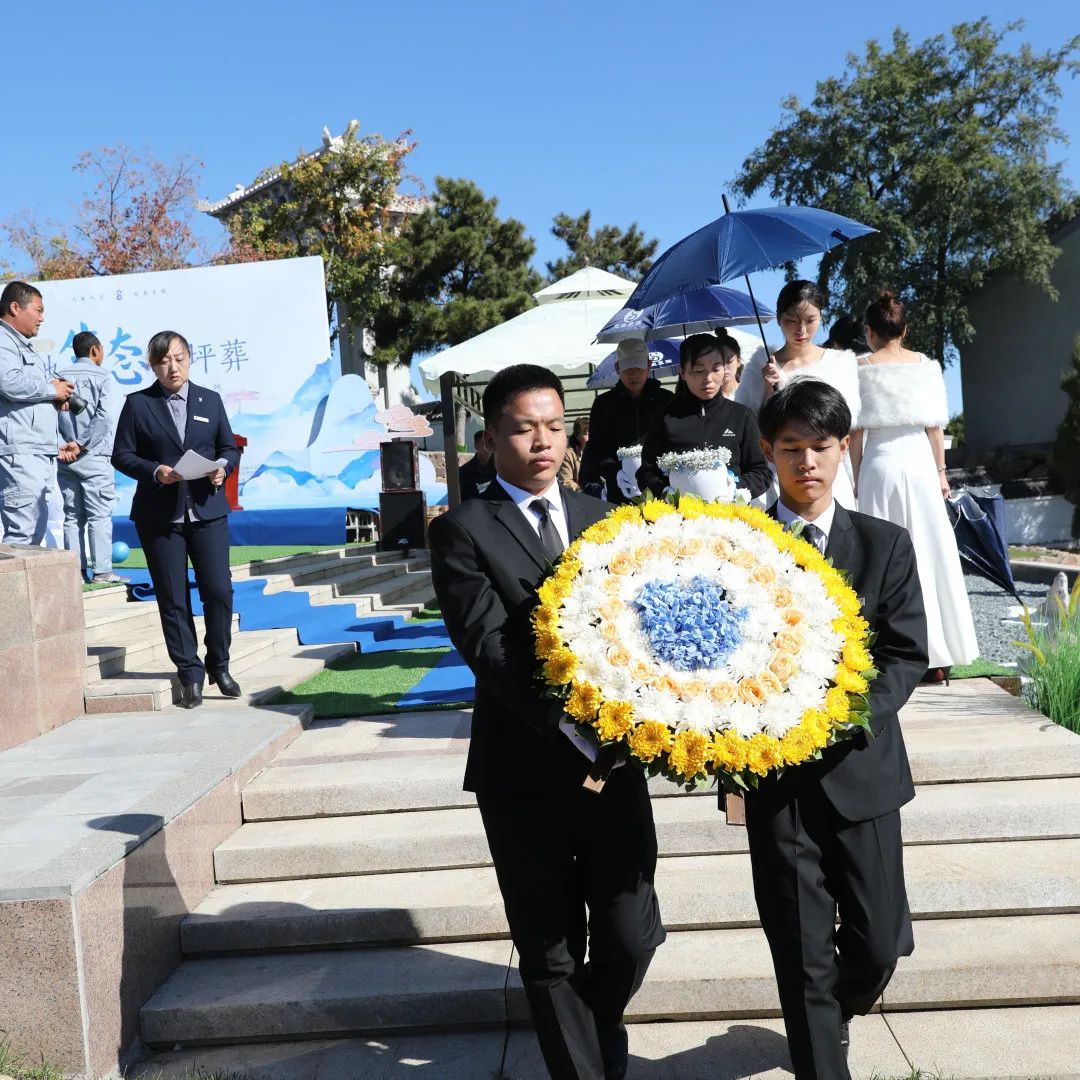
{"x":192,"y":466}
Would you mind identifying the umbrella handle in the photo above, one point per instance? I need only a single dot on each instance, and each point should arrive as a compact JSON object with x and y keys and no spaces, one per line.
{"x":750,"y":290}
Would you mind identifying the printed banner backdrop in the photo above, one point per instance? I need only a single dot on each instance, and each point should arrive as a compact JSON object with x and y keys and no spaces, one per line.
{"x":259,"y":337}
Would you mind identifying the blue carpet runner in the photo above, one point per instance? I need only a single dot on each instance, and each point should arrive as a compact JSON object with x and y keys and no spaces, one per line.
{"x":449,"y":682}
{"x":325,"y":624}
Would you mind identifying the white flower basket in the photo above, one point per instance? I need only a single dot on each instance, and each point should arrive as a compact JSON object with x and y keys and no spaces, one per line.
{"x":710,"y":484}
{"x":630,"y":456}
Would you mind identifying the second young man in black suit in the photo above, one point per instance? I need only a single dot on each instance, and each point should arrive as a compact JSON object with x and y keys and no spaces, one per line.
{"x":825,"y":837}
{"x":558,"y":847}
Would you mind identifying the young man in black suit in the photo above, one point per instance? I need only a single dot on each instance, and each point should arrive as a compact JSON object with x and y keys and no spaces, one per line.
{"x":177,"y":519}
{"x":557,"y":846}
{"x":825,"y":837}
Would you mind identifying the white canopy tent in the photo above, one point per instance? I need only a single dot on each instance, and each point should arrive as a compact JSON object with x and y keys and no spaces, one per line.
{"x":557,"y":334}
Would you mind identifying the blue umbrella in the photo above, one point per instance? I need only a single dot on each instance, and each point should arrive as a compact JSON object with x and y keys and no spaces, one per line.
{"x":737,"y":244}
{"x":663,"y":360}
{"x":685,"y":313}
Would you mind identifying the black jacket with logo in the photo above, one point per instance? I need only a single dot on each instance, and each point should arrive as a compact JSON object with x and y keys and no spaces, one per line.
{"x":617,"y":419}
{"x":692,"y":424}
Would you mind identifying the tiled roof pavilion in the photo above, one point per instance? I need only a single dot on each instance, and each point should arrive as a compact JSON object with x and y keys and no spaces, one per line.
{"x":223,"y":208}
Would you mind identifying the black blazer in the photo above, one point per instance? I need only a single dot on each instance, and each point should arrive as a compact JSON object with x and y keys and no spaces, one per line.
{"x":146,"y":438}
{"x":486,"y":563}
{"x":866,"y":778}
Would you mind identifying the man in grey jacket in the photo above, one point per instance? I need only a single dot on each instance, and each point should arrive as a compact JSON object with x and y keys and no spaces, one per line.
{"x":29,"y":436}
{"x":85,"y":471}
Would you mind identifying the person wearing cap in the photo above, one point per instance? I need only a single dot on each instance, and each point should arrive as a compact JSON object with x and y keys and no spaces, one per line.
{"x":620,"y":417}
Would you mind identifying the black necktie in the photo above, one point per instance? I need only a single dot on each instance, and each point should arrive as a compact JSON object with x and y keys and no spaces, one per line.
{"x":549,"y":535}
{"x":815,"y":536}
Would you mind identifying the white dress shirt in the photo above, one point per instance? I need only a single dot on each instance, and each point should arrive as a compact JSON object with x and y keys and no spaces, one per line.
{"x":824,"y":520}
{"x":556,"y":510}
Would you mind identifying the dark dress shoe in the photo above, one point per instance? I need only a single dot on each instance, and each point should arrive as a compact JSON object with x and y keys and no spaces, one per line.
{"x":614,"y":1050}
{"x":190,"y":695}
{"x":228,"y":686}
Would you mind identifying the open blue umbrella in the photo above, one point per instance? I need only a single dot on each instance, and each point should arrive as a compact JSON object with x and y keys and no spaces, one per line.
{"x":685,"y":313}
{"x":739,"y":243}
{"x":663,"y":360}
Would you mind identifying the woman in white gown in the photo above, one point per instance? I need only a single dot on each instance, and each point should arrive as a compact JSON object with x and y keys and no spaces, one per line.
{"x":798,"y":310}
{"x":900,"y":474}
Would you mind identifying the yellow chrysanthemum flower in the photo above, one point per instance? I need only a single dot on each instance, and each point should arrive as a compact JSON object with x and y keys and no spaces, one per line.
{"x":655,"y":509}
{"x":545,"y":617}
{"x":689,"y":753}
{"x":850,"y":681}
{"x":856,"y":657}
{"x":649,"y":740}
{"x":727,"y":752}
{"x":763,"y":754}
{"x":837,"y":705}
{"x":616,"y":718}
{"x":548,"y":642}
{"x":584,"y":701}
{"x":560,"y":667}
{"x":796,"y":746}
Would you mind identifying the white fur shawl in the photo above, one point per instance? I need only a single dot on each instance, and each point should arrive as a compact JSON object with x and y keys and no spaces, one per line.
{"x":837,"y":367}
{"x":903,"y":395}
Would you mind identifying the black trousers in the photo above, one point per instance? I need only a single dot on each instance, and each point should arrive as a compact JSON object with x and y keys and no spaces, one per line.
{"x":167,"y":550}
{"x":556,"y":856}
{"x":810,"y":864}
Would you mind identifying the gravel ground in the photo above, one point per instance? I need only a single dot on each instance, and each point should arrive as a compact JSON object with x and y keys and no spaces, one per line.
{"x":989,"y":605}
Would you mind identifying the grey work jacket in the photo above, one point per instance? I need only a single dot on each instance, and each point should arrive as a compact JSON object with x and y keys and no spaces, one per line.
{"x":28,"y":417}
{"x":93,"y":429}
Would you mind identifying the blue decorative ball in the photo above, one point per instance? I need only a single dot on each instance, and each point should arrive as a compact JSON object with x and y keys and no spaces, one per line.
{"x":120,"y":551}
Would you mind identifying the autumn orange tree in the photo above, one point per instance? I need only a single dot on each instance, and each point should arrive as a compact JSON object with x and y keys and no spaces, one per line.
{"x":136,"y":217}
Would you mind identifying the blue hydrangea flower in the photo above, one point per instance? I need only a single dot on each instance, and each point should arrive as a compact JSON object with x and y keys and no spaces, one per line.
{"x":689,"y":623}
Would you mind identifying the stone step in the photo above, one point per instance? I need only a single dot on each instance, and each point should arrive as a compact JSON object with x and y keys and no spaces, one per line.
{"x":133,"y":649}
{"x":344,"y":781}
{"x":156,"y":685}
{"x":695,"y":975}
{"x":691,"y":825}
{"x":696,"y":893}
{"x":372,"y":597}
{"x":371,"y":568}
{"x":976,"y":1044}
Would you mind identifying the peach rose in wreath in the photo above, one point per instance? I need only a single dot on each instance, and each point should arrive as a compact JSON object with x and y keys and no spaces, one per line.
{"x":763,"y":574}
{"x":667,"y":548}
{"x":770,"y":682}
{"x":789,"y":641}
{"x":783,"y":665}
{"x":618,"y":656}
{"x":691,"y":688}
{"x":642,"y":671}
{"x":782,"y":596}
{"x":743,"y":558}
{"x":723,"y":692}
{"x":621,"y":563}
{"x":721,"y":548}
{"x":751,"y":691}
{"x":792,"y":616}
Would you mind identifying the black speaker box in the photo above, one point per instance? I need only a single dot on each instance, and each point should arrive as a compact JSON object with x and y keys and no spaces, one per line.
{"x":402,"y":519}
{"x":400,"y":468}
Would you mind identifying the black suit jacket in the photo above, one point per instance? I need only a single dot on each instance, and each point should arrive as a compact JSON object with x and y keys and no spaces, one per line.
{"x":486,"y":564}
{"x":146,"y":437}
{"x":865,"y":778}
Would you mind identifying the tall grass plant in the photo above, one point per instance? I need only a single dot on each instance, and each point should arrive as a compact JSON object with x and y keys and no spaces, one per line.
{"x":1052,"y":662}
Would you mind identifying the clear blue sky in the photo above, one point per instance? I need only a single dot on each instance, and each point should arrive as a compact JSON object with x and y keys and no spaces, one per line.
{"x":641,"y":112}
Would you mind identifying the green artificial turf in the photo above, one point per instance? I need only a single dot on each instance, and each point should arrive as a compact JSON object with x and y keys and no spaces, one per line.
{"x":362,"y":684}
{"x":981,"y":669}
